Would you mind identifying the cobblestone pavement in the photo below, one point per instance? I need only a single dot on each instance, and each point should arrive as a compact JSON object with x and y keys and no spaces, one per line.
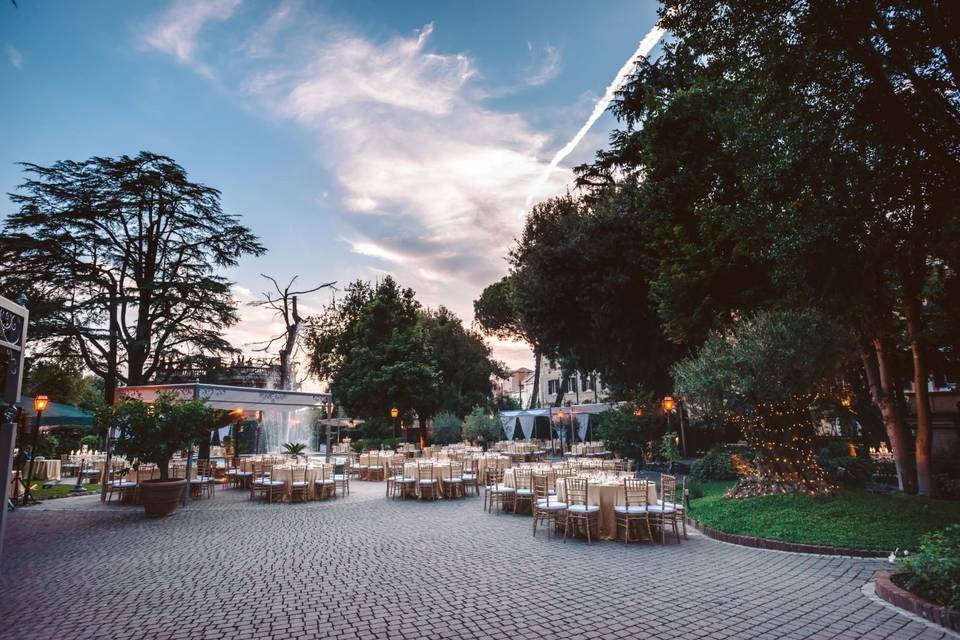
{"x":368,"y":567}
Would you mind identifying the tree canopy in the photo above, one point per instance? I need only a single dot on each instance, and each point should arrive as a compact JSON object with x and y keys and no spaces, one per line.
{"x":118,"y":257}
{"x":381,"y":349}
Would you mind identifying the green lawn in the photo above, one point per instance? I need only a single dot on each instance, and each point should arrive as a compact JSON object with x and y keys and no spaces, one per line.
{"x":58,"y":490}
{"x":853,"y":518}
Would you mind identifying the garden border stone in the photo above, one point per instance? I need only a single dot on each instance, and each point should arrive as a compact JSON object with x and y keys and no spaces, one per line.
{"x":899,"y":597}
{"x":781,"y":545}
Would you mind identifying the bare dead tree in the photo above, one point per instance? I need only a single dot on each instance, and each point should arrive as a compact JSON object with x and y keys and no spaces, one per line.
{"x":284,"y":303}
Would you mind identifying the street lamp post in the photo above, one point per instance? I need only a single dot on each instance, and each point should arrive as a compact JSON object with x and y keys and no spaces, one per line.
{"x":394,"y":412}
{"x":39,"y":404}
{"x":670,"y":405}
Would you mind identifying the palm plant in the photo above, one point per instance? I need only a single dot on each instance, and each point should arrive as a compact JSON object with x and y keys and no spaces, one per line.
{"x":294,"y":448}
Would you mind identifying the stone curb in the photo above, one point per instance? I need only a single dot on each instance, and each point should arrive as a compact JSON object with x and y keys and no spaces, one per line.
{"x":899,"y":597}
{"x":780,"y":545}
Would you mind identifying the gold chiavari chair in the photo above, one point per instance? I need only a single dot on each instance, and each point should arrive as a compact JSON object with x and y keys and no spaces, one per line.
{"x":681,"y":507}
{"x":376,"y":471}
{"x":453,"y":486}
{"x":427,"y":485}
{"x":579,"y":511}
{"x":665,"y":511}
{"x":203,"y":484}
{"x":324,"y":486}
{"x":634,"y":510}
{"x":118,"y":481}
{"x":341,"y":478}
{"x":264,"y":484}
{"x":523,"y":494}
{"x":298,"y":483}
{"x":547,"y":508}
{"x":471,"y":475}
{"x":495,"y":492}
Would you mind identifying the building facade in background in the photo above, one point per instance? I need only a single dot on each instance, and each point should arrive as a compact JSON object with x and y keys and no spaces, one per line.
{"x":581,"y":388}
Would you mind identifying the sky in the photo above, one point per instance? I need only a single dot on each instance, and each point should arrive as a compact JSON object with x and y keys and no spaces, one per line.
{"x":356,"y":139}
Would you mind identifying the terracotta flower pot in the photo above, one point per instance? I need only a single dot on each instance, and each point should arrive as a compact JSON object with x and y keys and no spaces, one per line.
{"x":160,"y":497}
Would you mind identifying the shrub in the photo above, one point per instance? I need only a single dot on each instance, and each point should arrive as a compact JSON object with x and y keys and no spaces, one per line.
{"x":482,"y":426}
{"x":715,"y":465}
{"x":667,"y":448}
{"x":934,"y":572}
{"x":694,"y":488}
{"x":446,"y":429}
{"x":624,"y":432}
{"x":92,"y":442}
{"x":845,"y":469}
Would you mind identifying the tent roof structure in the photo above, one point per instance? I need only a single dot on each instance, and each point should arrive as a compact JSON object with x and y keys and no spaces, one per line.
{"x":219,"y":396}
{"x":58,"y":414}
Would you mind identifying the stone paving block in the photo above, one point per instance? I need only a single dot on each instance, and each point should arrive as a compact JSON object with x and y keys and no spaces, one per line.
{"x":365,"y":567}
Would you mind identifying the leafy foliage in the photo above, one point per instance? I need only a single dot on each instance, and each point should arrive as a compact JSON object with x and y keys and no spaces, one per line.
{"x":63,"y":381}
{"x":294,"y":448}
{"x":381,"y":350}
{"x":667,"y":449}
{"x":934,"y":572}
{"x":772,"y":357}
{"x":446,"y":428}
{"x":131,"y":234}
{"x":626,"y":433}
{"x":714,"y":466}
{"x":372,"y":347}
{"x":154,"y":432}
{"x":463,"y":362}
{"x":580,"y":275}
{"x":481,"y":425}
{"x":767,"y":369}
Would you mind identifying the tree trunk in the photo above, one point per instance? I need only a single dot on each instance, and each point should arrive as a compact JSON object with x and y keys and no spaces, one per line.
{"x":562,"y":391}
{"x":110,"y":379}
{"x":921,"y":399}
{"x":535,"y":395}
{"x":877,"y":367}
{"x":164,"y":469}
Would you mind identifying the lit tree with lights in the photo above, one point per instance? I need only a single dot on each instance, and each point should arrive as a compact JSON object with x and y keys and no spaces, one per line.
{"x":767,"y":373}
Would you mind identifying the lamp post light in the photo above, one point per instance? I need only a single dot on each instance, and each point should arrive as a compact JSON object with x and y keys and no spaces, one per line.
{"x":394,"y":412}
{"x":39,"y":405}
{"x":671,"y":405}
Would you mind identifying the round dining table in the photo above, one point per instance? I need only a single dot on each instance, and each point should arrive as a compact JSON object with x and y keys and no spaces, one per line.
{"x":314,"y":472}
{"x":606,"y":494}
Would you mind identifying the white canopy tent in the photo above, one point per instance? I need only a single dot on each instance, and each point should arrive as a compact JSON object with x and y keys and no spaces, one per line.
{"x":508,"y":421}
{"x":579,"y":412}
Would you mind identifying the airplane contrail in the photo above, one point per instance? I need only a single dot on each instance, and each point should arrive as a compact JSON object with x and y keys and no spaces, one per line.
{"x":643,"y":50}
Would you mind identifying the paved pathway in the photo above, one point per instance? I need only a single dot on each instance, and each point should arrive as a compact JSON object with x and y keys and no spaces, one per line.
{"x":367,"y":567}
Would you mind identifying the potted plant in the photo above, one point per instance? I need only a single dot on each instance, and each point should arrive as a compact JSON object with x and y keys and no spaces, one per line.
{"x":295,"y":449}
{"x":153,"y":433}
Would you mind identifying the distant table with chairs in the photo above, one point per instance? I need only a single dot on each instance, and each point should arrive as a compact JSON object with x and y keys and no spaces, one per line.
{"x":607,"y":492}
{"x":318,"y":479}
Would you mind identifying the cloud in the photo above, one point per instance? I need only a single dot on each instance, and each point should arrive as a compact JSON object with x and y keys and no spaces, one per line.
{"x":14,"y":56}
{"x":260,"y":43}
{"x":351,"y":71}
{"x":548,"y":68}
{"x":176,"y":30}
{"x":430,"y":180}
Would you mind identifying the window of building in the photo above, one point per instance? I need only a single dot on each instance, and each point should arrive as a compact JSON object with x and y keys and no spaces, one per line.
{"x":553,"y":386}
